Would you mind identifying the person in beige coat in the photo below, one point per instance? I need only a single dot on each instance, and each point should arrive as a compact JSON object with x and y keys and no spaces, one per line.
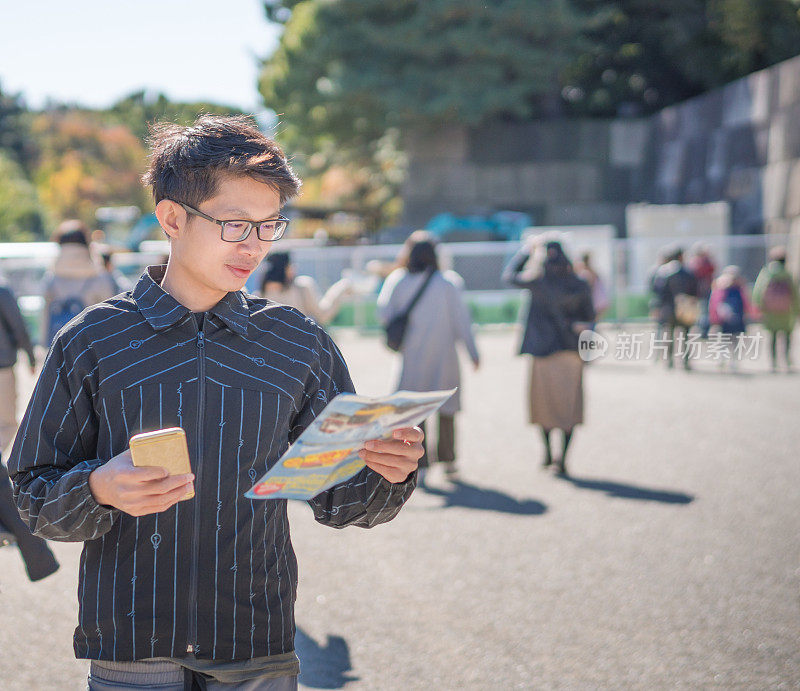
{"x":438,"y":322}
{"x":75,"y":281}
{"x":281,"y":284}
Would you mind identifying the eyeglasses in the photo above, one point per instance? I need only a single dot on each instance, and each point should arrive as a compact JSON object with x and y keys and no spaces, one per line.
{"x":237,"y":231}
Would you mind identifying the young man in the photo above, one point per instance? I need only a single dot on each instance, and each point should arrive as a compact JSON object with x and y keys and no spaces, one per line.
{"x":206,"y":586}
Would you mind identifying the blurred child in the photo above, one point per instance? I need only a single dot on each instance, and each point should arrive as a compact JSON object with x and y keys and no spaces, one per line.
{"x":730,"y":305}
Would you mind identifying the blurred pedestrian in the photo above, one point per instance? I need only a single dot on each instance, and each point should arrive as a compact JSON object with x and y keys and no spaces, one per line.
{"x":776,"y":295}
{"x":560,"y":308}
{"x":75,"y":281}
{"x":730,"y":307}
{"x":39,"y":560}
{"x":678,"y":308}
{"x":585,"y":270}
{"x":281,"y":284}
{"x":702,"y":266}
{"x":13,"y":338}
{"x":118,"y":280}
{"x":654,"y":304}
{"x":438,"y":321}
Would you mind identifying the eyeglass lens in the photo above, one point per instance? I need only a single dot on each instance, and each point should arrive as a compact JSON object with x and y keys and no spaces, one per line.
{"x":233,"y":231}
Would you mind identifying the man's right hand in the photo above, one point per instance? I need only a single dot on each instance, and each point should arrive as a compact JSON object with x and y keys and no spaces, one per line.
{"x":137,"y":491}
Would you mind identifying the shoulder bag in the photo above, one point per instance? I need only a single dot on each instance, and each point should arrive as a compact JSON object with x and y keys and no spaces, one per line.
{"x":396,"y":327}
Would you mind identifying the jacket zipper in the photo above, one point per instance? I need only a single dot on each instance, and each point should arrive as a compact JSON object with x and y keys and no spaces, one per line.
{"x":192,"y":646}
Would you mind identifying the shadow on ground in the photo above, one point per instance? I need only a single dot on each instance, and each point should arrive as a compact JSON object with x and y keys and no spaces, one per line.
{"x":472,"y":497}
{"x":617,"y":489}
{"x":323,"y":666}
{"x":730,"y":373}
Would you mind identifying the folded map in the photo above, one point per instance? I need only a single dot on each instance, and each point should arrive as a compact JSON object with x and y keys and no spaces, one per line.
{"x":326,"y":453}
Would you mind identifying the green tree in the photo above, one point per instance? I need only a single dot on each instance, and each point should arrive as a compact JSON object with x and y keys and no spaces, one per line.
{"x":648,"y":54}
{"x":755,"y":33}
{"x":15,"y":139}
{"x":348,"y":72}
{"x":85,"y":162}
{"x":21,"y":216}
{"x":138,"y":110}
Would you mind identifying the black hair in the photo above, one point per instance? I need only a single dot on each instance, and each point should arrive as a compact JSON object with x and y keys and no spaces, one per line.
{"x":276,"y":262}
{"x":421,"y":257}
{"x":186,"y":162}
{"x":72,"y":231}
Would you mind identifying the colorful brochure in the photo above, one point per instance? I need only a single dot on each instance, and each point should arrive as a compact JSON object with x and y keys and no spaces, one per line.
{"x":326,"y":453}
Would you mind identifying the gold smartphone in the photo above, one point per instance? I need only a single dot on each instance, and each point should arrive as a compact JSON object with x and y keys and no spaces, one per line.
{"x":165,"y":448}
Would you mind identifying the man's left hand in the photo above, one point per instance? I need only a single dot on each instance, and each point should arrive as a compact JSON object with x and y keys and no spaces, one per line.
{"x":395,"y":458}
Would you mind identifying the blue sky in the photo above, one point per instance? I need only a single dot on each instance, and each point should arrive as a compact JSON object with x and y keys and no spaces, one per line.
{"x":94,"y":52}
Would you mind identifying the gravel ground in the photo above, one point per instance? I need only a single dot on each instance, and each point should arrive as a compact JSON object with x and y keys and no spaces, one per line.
{"x":669,"y":559}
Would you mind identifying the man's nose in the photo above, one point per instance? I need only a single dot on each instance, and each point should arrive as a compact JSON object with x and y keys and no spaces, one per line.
{"x":252,"y":245}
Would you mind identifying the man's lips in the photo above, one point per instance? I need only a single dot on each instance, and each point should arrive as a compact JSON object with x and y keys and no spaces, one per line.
{"x":241,"y":270}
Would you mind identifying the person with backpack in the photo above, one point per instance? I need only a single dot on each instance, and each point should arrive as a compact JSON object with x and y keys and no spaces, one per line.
{"x":729,"y":307}
{"x":675,"y":291}
{"x":75,"y":281}
{"x":776,"y":295}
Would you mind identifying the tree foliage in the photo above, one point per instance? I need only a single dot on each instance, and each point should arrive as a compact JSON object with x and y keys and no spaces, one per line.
{"x":140,"y":109}
{"x":348,"y":75}
{"x":67,"y":161}
{"x":21,"y":216}
{"x":84,"y":163}
{"x":357,"y":67}
{"x":646,"y":54}
{"x":352,"y":68}
{"x":15,"y":140}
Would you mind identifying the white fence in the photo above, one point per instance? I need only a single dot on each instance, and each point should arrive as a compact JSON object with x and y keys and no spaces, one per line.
{"x":624,"y":264}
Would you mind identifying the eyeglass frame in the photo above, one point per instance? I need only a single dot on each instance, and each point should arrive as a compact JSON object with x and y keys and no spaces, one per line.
{"x":250,"y":224}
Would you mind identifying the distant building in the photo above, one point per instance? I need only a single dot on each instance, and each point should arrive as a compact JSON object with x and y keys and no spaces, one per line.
{"x":739,"y":144}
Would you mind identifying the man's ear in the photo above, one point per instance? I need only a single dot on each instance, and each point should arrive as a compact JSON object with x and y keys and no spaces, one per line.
{"x":171,"y":217}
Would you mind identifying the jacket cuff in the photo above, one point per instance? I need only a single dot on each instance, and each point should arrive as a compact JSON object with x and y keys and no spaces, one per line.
{"x":85,"y":469}
{"x":404,"y":488}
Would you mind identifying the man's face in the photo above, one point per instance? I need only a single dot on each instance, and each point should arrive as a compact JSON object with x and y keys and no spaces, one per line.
{"x":205,"y":265}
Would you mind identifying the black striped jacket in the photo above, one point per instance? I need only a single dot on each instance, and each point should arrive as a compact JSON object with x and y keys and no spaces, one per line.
{"x":215,"y":575}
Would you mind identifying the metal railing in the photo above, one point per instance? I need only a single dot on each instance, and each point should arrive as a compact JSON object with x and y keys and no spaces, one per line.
{"x":623,"y":264}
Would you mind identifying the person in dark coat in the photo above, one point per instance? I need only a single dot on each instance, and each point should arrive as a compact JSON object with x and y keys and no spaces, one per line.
{"x":39,"y":560}
{"x":675,"y":289}
{"x":560,"y":308}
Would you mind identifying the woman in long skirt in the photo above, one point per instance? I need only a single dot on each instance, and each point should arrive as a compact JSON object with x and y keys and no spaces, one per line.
{"x":560,"y":308}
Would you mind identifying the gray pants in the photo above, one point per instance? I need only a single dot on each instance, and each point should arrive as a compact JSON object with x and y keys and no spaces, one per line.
{"x":445,"y":442}
{"x":169,"y":676}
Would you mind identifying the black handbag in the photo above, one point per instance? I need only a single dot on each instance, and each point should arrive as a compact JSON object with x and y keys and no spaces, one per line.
{"x":396,"y":327}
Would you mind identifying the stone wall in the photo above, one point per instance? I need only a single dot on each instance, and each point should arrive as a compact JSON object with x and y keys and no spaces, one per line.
{"x":740,"y":143}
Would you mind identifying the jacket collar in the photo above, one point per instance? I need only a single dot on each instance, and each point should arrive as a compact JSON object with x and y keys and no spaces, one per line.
{"x":161,"y":310}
